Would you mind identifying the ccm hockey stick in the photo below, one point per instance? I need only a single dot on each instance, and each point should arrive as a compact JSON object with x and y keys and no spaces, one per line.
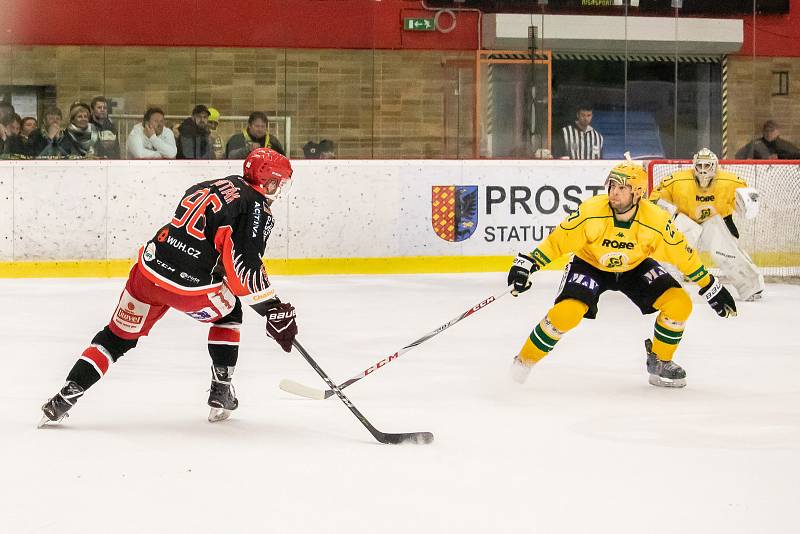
{"x":290,"y":386}
{"x":383,"y":437}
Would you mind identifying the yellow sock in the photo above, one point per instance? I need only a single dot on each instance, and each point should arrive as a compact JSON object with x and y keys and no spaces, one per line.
{"x":675,"y":307}
{"x":561,"y":318}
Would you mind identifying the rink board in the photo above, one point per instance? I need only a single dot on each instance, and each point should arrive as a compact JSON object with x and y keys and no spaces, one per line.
{"x":88,"y":218}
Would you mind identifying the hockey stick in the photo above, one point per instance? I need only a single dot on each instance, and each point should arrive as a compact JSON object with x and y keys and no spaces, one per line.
{"x":290,"y":386}
{"x":383,"y":437}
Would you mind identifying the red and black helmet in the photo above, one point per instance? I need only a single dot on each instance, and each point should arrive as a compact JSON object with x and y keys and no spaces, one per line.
{"x":267,"y":171}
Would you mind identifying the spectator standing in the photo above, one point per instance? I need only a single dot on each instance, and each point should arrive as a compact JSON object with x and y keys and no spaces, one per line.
{"x":579,"y":140}
{"x":256,"y":135}
{"x":217,"y":147}
{"x":108,"y":132}
{"x":194,"y":141}
{"x":149,"y":139}
{"x":769,"y":145}
{"x":50,"y":133}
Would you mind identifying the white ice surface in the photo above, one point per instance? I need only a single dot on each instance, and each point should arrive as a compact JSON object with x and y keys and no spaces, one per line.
{"x":585,"y":446}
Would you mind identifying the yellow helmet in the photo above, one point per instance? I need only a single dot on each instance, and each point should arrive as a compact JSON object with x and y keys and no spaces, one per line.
{"x":630,"y":174}
{"x":213,"y":115}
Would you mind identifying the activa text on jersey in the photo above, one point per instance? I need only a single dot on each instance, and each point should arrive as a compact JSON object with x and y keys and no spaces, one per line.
{"x":613,"y":243}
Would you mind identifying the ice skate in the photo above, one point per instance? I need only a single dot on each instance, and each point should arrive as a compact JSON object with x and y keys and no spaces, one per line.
{"x":520,"y":370}
{"x":221,"y":397}
{"x":55,"y":409}
{"x":663,"y":373}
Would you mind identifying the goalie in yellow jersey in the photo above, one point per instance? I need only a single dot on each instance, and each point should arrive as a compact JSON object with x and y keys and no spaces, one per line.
{"x":702,"y":201}
{"x":614,"y":239}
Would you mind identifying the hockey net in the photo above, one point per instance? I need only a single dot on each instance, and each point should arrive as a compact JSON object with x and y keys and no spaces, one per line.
{"x":770,"y":239}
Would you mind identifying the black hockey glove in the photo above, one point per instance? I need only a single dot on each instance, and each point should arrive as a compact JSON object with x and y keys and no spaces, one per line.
{"x":520,"y":272}
{"x":281,"y":325}
{"x":719,"y":298}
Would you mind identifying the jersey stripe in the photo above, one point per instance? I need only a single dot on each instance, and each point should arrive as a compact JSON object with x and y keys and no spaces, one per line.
{"x":582,"y":145}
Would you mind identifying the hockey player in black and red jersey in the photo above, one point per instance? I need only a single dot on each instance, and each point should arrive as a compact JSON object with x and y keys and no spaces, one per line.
{"x":205,"y":263}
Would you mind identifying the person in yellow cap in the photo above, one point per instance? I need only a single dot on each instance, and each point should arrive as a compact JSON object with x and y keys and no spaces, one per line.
{"x":217,"y":146}
{"x":614,"y":239}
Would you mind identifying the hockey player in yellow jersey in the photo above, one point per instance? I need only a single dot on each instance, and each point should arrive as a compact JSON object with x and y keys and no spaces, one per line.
{"x":614,"y":239}
{"x":702,"y":200}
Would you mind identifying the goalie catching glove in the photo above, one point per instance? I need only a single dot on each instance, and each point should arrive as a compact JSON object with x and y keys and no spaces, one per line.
{"x":719,"y":298}
{"x":281,"y":324}
{"x":520,"y":272}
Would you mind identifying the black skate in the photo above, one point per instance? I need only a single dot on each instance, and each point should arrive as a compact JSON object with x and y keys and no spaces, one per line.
{"x":56,"y":408}
{"x":221,"y":397}
{"x":663,"y":373}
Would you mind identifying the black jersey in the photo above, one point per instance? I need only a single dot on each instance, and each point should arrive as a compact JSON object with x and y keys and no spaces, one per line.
{"x":218,"y":233}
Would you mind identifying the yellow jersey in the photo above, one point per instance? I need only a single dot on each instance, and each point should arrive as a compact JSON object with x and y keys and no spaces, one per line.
{"x":699,"y":204}
{"x":593,"y":234}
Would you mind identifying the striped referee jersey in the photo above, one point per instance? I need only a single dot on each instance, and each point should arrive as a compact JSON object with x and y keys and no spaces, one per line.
{"x":582,"y":145}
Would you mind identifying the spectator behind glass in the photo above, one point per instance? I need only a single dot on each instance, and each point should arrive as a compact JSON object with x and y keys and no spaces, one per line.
{"x":23,"y":145}
{"x":49,"y":133}
{"x":108,"y":132}
{"x":311,"y":150}
{"x":194,"y":141}
{"x":6,"y":113}
{"x":11,"y":134}
{"x":327,"y":149}
{"x":80,"y":139}
{"x":579,"y":140}
{"x":29,"y":125}
{"x":255,"y":136}
{"x":769,"y":145}
{"x":149,"y":139}
{"x":217,"y":147}
{"x":14,"y":125}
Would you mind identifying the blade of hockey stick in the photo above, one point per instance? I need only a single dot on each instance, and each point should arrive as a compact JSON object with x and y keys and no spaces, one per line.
{"x":383,"y":437}
{"x":296,"y":388}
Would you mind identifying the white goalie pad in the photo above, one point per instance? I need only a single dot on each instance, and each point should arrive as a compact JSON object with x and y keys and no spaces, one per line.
{"x":734,"y":263}
{"x":747,"y":202}
{"x":690,"y":229}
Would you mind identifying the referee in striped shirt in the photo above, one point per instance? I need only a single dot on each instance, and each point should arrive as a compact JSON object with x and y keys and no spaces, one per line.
{"x":580,"y":140}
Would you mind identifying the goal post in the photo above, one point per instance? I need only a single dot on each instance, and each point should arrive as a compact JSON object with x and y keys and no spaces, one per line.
{"x":771,"y":239}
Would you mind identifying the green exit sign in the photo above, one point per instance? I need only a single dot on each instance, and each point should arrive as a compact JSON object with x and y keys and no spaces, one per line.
{"x":419,"y":25}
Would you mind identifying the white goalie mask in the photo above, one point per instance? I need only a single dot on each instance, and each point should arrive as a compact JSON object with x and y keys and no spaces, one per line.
{"x":705,"y":167}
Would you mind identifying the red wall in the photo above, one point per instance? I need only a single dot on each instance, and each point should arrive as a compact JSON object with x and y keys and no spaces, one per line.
{"x":281,"y":23}
{"x":248,"y":23}
{"x":774,"y":36}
